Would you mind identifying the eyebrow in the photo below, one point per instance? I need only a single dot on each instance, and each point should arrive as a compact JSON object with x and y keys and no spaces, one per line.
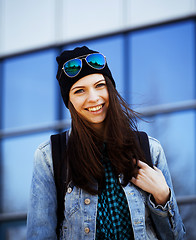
{"x":77,"y":87}
{"x":84,"y":86}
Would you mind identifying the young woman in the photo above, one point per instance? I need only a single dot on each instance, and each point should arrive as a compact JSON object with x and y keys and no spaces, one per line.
{"x":112,"y":192}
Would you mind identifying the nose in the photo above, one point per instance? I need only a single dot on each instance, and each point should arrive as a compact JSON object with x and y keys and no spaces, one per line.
{"x":93,"y":96}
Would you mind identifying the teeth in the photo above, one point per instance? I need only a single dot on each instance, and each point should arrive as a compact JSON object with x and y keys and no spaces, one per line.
{"x":93,"y":109}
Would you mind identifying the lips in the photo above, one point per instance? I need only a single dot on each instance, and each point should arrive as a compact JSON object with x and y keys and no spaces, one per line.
{"x":96,"y":108}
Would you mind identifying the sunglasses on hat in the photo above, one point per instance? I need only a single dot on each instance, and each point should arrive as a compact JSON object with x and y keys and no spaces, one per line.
{"x":73,"y":67}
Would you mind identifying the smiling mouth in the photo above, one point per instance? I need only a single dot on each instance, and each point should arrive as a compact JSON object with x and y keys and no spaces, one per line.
{"x":94,"y":109}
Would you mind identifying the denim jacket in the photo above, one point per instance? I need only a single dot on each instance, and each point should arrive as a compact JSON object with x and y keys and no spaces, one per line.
{"x":149,"y":221}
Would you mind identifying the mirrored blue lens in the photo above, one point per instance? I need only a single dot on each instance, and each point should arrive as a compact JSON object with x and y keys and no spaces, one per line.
{"x":96,"y":60}
{"x":73,"y":67}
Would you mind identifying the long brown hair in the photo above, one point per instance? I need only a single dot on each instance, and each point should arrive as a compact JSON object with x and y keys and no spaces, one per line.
{"x":85,"y":145}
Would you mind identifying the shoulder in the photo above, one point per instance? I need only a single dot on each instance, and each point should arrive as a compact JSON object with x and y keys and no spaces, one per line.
{"x":45,"y":147}
{"x":154,"y":143}
{"x":156,"y":149}
{"x":43,"y":155}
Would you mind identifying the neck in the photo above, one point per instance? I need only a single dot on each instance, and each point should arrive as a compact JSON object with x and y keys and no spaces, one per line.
{"x":99,"y":128}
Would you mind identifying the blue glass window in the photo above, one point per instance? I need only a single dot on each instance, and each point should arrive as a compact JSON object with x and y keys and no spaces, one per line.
{"x":17,"y":167}
{"x":162,"y":67}
{"x":29,"y":89}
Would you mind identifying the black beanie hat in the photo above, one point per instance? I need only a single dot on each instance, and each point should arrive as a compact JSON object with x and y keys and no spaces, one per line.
{"x":66,"y":82}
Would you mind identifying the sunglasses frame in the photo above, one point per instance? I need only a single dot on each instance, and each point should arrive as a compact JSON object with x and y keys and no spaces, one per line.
{"x":81,"y":58}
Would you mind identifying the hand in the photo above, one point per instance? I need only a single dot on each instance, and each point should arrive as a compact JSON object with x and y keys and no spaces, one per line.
{"x":152,"y":181}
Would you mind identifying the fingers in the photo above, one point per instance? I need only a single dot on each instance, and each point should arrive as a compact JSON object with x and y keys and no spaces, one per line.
{"x":151,"y":180}
{"x":139,"y":163}
{"x":134,"y":180}
{"x":143,"y":165}
{"x":134,"y":160}
{"x":156,"y":169}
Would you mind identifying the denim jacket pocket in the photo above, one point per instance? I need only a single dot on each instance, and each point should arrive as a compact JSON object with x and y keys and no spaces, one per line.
{"x":72,"y":201}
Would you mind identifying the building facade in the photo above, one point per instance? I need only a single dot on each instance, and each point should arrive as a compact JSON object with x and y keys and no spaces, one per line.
{"x":151,"y":50}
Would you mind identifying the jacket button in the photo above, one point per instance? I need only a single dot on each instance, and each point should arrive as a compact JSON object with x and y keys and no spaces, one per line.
{"x":69,"y":190}
{"x":87,"y":201}
{"x":87,"y":230}
{"x":130,"y":193}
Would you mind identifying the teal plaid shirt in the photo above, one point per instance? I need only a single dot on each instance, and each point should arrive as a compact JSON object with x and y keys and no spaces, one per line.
{"x":113,"y":216}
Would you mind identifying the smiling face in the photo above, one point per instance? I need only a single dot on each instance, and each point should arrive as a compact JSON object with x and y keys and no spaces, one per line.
{"x":90,"y":98}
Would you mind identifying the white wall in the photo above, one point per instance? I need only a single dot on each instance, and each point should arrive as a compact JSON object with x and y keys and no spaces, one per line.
{"x":142,"y":12}
{"x":27,"y":24}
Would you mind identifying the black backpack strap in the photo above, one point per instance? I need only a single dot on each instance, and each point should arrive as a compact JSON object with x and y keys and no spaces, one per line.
{"x":144,"y":143}
{"x":58,"y":146}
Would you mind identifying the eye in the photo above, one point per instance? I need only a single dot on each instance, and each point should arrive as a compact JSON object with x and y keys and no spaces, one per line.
{"x":79,"y":91}
{"x":100,"y":85}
